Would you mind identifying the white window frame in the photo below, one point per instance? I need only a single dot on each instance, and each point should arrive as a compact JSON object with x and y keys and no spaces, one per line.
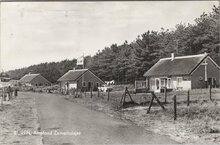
{"x":178,"y":83}
{"x":169,"y":84}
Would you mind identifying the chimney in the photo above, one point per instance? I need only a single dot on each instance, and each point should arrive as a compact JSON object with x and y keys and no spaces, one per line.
{"x":172,"y":56}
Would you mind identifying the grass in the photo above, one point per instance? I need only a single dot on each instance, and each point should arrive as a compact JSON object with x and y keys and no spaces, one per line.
{"x":200,"y":121}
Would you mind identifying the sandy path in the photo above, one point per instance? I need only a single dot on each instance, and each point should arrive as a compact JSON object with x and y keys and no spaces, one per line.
{"x":19,"y":116}
{"x":58,"y":114}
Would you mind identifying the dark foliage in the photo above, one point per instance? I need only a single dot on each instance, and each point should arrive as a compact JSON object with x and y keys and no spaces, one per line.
{"x":129,"y":61}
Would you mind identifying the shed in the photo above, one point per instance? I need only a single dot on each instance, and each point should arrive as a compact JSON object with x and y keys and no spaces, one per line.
{"x":183,"y":73}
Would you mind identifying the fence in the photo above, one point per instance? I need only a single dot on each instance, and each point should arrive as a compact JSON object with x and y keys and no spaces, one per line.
{"x":181,"y":97}
{"x":6,"y":94}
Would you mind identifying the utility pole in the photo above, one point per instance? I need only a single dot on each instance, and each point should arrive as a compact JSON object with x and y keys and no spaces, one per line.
{"x":206,"y":78}
{"x":177,"y":43}
{"x":0,"y":37}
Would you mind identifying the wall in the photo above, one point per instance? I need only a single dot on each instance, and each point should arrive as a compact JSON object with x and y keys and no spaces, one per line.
{"x":198,"y":76}
{"x":88,"y":77}
{"x":40,"y":80}
{"x":184,"y":85}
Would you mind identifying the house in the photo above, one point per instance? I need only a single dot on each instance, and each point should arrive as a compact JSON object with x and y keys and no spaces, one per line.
{"x":34,"y":80}
{"x":4,"y":77}
{"x":13,"y":82}
{"x":183,"y":73}
{"x":80,"y":79}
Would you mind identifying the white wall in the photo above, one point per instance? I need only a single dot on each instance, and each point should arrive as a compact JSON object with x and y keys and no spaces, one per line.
{"x":184,"y":85}
{"x":72,"y":85}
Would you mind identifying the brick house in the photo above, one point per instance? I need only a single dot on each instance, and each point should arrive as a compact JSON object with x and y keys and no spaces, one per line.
{"x":80,"y":79}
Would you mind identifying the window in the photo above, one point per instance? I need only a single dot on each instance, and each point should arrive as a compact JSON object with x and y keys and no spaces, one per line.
{"x":152,"y":83}
{"x":179,"y":80}
{"x":84,"y":84}
{"x":163,"y":82}
{"x":212,"y":81}
{"x":97,"y":84}
{"x":169,"y":83}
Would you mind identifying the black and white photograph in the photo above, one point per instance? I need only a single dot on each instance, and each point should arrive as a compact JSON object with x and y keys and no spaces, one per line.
{"x":109,"y":72}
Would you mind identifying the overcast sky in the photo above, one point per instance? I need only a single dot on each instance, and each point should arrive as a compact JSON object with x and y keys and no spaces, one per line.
{"x":36,"y":32}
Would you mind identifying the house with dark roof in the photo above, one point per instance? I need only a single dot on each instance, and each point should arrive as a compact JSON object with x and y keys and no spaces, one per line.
{"x":34,"y":80}
{"x":4,"y":77}
{"x":80,"y":79}
{"x":183,"y":73}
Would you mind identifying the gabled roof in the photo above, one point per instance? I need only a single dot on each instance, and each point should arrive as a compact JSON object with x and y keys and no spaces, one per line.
{"x":74,"y":75}
{"x":29,"y":77}
{"x":183,"y":65}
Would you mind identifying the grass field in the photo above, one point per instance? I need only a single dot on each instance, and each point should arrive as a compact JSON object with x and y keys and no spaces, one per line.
{"x":197,"y":123}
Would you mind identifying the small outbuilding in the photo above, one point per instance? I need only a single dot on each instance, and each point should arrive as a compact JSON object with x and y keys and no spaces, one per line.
{"x":34,"y":80}
{"x":183,"y":73}
{"x":80,"y":79}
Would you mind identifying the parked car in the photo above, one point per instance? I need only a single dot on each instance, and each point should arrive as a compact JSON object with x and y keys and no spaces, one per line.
{"x":105,"y":88}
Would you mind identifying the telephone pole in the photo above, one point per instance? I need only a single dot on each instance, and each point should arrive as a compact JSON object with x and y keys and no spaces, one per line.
{"x":0,"y":37}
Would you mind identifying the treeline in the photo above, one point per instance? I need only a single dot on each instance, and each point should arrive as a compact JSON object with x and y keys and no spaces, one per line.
{"x":128,"y":62}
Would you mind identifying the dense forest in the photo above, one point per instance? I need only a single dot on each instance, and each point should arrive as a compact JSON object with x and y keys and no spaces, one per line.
{"x":127,"y":62}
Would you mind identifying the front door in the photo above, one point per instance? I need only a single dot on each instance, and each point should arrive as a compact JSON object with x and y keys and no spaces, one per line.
{"x":157,"y":85}
{"x":90,"y":85}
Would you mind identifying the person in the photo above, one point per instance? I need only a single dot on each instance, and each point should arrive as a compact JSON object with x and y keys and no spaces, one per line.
{"x":9,"y":91}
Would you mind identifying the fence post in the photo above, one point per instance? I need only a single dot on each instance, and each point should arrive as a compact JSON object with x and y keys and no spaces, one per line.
{"x":98,"y":92}
{"x":174,"y":100}
{"x":210,"y":92}
{"x":2,"y":97}
{"x":85,"y":92}
{"x":91,"y":92}
{"x":165,"y":94}
{"x":188,"y":98}
{"x":108,"y":94}
{"x":124,"y":95}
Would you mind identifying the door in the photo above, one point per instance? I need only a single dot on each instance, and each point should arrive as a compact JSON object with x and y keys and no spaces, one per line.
{"x":89,"y":86}
{"x":157,"y":85}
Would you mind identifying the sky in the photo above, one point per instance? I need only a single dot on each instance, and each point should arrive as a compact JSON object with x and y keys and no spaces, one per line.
{"x":37,"y":32}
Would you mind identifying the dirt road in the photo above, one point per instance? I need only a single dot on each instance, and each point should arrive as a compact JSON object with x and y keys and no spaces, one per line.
{"x":85,"y":126}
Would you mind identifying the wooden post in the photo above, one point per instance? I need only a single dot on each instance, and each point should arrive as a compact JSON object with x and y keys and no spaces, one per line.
{"x":158,"y":101}
{"x":2,"y":97}
{"x":165,"y":95}
{"x":151,"y":102}
{"x":85,"y":92}
{"x":174,"y":105}
{"x":188,"y":98}
{"x":98,"y":92}
{"x":129,"y":94}
{"x":124,"y":96}
{"x":210,"y":92}
{"x":91,"y":92}
{"x":108,"y":94}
